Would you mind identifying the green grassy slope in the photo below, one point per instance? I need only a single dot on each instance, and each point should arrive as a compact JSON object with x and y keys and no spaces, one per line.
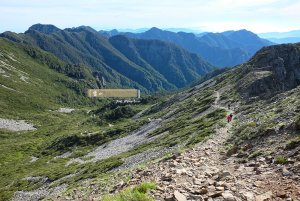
{"x":33,"y":85}
{"x":31,"y":82}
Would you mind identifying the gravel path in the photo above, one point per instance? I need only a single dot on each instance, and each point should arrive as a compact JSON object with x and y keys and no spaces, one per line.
{"x":16,"y":125}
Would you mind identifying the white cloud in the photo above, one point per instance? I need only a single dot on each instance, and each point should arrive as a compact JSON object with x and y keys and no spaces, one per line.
{"x":214,"y":15}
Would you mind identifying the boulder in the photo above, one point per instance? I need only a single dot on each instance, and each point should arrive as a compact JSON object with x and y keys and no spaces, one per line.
{"x":265,"y":197}
{"x":248,"y":196}
{"x":228,"y":196}
{"x":285,"y":172}
{"x":179,"y":196}
{"x":281,"y":194}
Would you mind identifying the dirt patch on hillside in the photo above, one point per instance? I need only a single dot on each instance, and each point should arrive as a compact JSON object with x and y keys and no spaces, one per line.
{"x":16,"y":125}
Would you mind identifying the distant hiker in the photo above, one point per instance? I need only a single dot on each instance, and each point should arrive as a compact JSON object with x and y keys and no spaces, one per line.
{"x":228,"y":118}
{"x":228,"y":106}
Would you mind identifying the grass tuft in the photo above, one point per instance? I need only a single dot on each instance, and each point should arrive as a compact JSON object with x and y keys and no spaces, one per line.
{"x":281,"y":160}
{"x":137,"y":193}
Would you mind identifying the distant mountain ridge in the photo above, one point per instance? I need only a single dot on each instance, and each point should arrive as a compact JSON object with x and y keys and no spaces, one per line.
{"x":176,"y":69}
{"x":221,"y":49}
{"x":285,"y":40}
{"x":282,"y":37}
{"x":294,"y":33}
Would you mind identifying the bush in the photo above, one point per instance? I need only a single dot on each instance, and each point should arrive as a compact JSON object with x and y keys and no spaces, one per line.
{"x":281,"y":160}
{"x":67,"y":143}
{"x":256,"y":154}
{"x":297,"y":123}
{"x":150,"y":99}
{"x":232,"y":149}
{"x":293,"y":143}
{"x":138,"y":193}
{"x":121,"y":112}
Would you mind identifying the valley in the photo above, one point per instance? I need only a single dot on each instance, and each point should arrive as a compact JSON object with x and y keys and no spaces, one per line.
{"x":173,"y":144}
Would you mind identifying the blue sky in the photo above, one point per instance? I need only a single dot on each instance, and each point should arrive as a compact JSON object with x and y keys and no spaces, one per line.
{"x":206,"y":15}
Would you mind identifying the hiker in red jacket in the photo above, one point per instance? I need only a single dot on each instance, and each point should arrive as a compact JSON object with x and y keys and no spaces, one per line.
{"x":229,"y":118}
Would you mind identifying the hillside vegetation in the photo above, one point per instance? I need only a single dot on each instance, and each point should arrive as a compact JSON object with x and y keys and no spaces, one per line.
{"x":33,"y":80}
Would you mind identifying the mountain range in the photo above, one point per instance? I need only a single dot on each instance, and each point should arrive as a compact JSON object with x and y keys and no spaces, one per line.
{"x":228,"y":48}
{"x":294,"y":33}
{"x":153,"y":60}
{"x":149,"y":65}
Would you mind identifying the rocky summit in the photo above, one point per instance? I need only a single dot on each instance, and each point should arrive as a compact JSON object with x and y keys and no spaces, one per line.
{"x":273,"y":70}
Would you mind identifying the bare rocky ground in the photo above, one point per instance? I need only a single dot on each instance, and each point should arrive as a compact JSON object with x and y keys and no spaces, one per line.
{"x":205,"y":173}
{"x":65,"y":110}
{"x":132,"y":140}
{"x":39,"y":193}
{"x":47,"y":191}
{"x":16,"y":125}
{"x":142,"y":158}
{"x":124,"y":144}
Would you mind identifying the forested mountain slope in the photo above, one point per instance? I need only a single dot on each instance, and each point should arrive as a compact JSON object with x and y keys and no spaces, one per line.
{"x":83,"y":45}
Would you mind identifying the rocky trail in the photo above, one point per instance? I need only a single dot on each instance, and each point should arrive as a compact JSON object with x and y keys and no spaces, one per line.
{"x":206,"y":173}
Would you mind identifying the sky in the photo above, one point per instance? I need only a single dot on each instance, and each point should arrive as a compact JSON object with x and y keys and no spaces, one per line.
{"x":204,"y":15}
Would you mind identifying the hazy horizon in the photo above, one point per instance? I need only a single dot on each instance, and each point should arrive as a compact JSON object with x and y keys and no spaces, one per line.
{"x":142,"y":29}
{"x":198,"y":15}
